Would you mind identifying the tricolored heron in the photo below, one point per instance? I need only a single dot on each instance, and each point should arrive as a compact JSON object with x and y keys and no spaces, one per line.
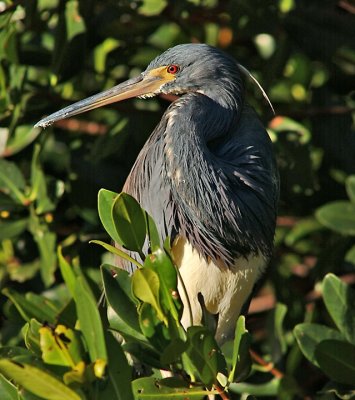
{"x":207,"y":176}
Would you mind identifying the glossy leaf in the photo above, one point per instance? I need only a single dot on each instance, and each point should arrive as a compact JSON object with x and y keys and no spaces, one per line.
{"x":116,"y":286}
{"x":129,"y":221}
{"x":159,"y":262}
{"x":116,"y":323}
{"x":75,"y":24}
{"x":39,"y":190}
{"x":339,"y":299}
{"x":146,"y":286}
{"x":309,"y":335}
{"x":148,"y":320}
{"x":152,"y":7}
{"x":33,"y":306}
{"x":204,"y":354}
{"x":173,"y":351}
{"x":31,"y":336}
{"x":338,"y":216}
{"x":337,"y":359}
{"x":144,"y":352}
{"x":46,"y":242}
{"x":37,"y":381}
{"x":117,"y":251}
{"x":153,"y":234}
{"x":209,"y":320}
{"x":350,"y":255}
{"x":105,"y":202}
{"x":269,"y":388}
{"x":60,"y":346}
{"x":76,"y":375}
{"x":90,"y":320}
{"x":241,"y":361}
{"x":12,"y":181}
{"x":14,"y":352}
{"x":21,"y":138}
{"x":275,"y":324}
{"x":350,"y":188}
{"x":119,"y":371}
{"x":150,"y":388}
{"x":7,"y":390}
{"x":67,"y":272}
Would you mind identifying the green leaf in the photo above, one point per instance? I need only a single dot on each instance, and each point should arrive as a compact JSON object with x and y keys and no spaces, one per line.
{"x":46,"y":242}
{"x":116,"y":323}
{"x":60,"y":346}
{"x":173,"y":351}
{"x":150,"y":388}
{"x":350,"y":255}
{"x":350,"y":187}
{"x":338,"y":216}
{"x":7,"y":390}
{"x":31,"y":336}
{"x":145,"y":353}
{"x":241,"y":361}
{"x":22,"y":137}
{"x":161,"y":263}
{"x":90,"y":320}
{"x":269,"y":388}
{"x":37,"y":381}
{"x":75,"y":24}
{"x":209,"y":320}
{"x":152,"y":7}
{"x":204,"y":354}
{"x":309,"y":335}
{"x":289,"y":388}
{"x":302,"y":229}
{"x":275,"y":325}
{"x":146,"y":286}
{"x":14,"y":352}
{"x":153,"y":234}
{"x":39,"y":185}
{"x":337,"y":360}
{"x":339,"y":299}
{"x":116,"y":284}
{"x":115,"y":250}
{"x":67,"y":272}
{"x":12,"y":182}
{"x":285,"y":124}
{"x":102,"y":51}
{"x":119,"y":371}
{"x":10,"y":229}
{"x":105,"y":202}
{"x":148,"y":320}
{"x":129,"y":221}
{"x":32,"y":305}
{"x":23,"y":272}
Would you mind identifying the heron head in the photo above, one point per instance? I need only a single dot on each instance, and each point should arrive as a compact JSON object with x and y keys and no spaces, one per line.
{"x":193,"y":68}
{"x":181,"y":69}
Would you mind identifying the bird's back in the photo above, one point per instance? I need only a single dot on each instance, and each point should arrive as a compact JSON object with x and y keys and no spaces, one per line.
{"x":222,"y":249}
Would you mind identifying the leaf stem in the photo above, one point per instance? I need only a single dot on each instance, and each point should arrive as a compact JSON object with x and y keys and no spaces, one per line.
{"x":267,"y":365}
{"x":221,"y":392}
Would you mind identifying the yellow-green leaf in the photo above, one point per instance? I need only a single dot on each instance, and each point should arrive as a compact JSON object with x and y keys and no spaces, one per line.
{"x":37,"y":381}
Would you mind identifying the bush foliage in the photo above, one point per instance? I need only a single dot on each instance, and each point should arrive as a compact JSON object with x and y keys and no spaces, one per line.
{"x":59,"y":338}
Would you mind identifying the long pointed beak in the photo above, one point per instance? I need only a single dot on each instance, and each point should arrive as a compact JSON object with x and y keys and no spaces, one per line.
{"x":144,"y":84}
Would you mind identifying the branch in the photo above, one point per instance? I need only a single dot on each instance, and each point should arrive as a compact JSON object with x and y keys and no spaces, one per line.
{"x":267,"y":365}
{"x":347,"y":6}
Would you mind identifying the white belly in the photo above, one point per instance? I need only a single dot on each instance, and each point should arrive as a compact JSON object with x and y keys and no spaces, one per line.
{"x":224,"y":289}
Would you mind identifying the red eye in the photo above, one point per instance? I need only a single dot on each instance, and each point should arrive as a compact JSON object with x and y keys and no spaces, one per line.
{"x":173,"y":69}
